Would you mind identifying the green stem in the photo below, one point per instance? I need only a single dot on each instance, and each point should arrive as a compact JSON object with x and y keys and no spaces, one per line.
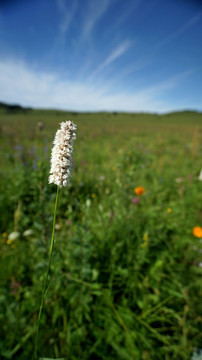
{"x":46,"y":275}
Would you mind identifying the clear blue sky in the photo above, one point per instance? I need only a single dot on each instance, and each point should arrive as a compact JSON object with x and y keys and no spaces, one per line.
{"x":130,"y":55}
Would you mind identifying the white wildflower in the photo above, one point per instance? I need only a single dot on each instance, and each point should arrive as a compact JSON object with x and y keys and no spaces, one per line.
{"x":61,"y":158}
{"x":200,"y":175}
{"x":102,"y":178}
{"x":13,"y":236}
{"x":88,"y":203}
{"x":28,"y":232}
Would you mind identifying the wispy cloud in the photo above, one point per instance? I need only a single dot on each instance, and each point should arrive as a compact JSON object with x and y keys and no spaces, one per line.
{"x":131,"y":8}
{"x":180,"y":30}
{"x":168,"y":84}
{"x":67,"y":14}
{"x":131,"y":69}
{"x":120,"y":50}
{"x":114,"y":55}
{"x":186,"y":26}
{"x":93,"y":13}
{"x":18,"y":84}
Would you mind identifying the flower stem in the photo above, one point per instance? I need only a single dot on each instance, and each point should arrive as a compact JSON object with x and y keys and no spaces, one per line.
{"x":46,"y":275}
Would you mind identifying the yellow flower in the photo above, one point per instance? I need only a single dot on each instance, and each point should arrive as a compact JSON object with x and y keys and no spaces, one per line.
{"x":93,"y":196}
{"x":169,"y":210}
{"x":146,"y":237}
{"x":145,"y":240}
{"x":197,"y":231}
{"x":139,"y":190}
{"x":4,"y":235}
{"x":9,"y":242}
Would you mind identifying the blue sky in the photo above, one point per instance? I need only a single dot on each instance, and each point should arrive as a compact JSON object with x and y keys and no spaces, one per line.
{"x":91,"y":55}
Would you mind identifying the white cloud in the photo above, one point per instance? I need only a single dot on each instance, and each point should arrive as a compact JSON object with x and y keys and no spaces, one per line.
{"x":28,"y":87}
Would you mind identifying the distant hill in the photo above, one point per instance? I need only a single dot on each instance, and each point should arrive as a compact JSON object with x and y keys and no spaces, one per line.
{"x":13,"y":108}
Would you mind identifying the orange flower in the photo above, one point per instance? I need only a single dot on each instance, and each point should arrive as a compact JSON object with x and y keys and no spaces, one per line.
{"x":139,"y":190}
{"x":197,"y":231}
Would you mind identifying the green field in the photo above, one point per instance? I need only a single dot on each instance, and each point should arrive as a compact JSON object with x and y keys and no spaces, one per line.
{"x":126,"y":268}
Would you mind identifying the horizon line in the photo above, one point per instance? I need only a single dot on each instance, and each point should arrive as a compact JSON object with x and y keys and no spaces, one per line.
{"x":98,"y":111}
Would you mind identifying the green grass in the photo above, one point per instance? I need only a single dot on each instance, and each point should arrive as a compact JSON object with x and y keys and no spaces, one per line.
{"x":126,"y":280}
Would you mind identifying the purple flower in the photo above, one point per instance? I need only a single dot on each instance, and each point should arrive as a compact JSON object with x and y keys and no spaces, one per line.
{"x":34,"y":165}
{"x":15,"y":286}
{"x":135,"y":200}
{"x":32,"y":150}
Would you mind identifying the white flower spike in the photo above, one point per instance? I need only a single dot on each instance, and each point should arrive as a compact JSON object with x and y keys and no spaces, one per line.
{"x":61,"y":157}
{"x":200,"y":175}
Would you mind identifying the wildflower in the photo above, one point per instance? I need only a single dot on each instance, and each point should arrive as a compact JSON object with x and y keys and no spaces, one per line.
{"x":135,"y":200}
{"x":40,"y":125}
{"x":93,"y":196}
{"x":15,"y":286}
{"x":197,"y":231}
{"x":146,"y":237}
{"x":9,"y":242}
{"x":60,"y":172}
{"x":4,"y":235}
{"x":13,"y":236}
{"x":145,"y":240}
{"x":139,"y":190}
{"x":68,"y":222}
{"x":111,"y":215}
{"x":61,"y":158}
{"x":88,"y":202}
{"x":28,"y":232}
{"x":179,"y":180}
{"x":169,"y":210}
{"x":100,"y":207}
{"x":200,"y":175}
{"x":102,"y":178}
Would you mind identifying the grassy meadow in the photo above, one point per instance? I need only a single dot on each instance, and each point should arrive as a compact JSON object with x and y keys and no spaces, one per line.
{"x":126,"y":269}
